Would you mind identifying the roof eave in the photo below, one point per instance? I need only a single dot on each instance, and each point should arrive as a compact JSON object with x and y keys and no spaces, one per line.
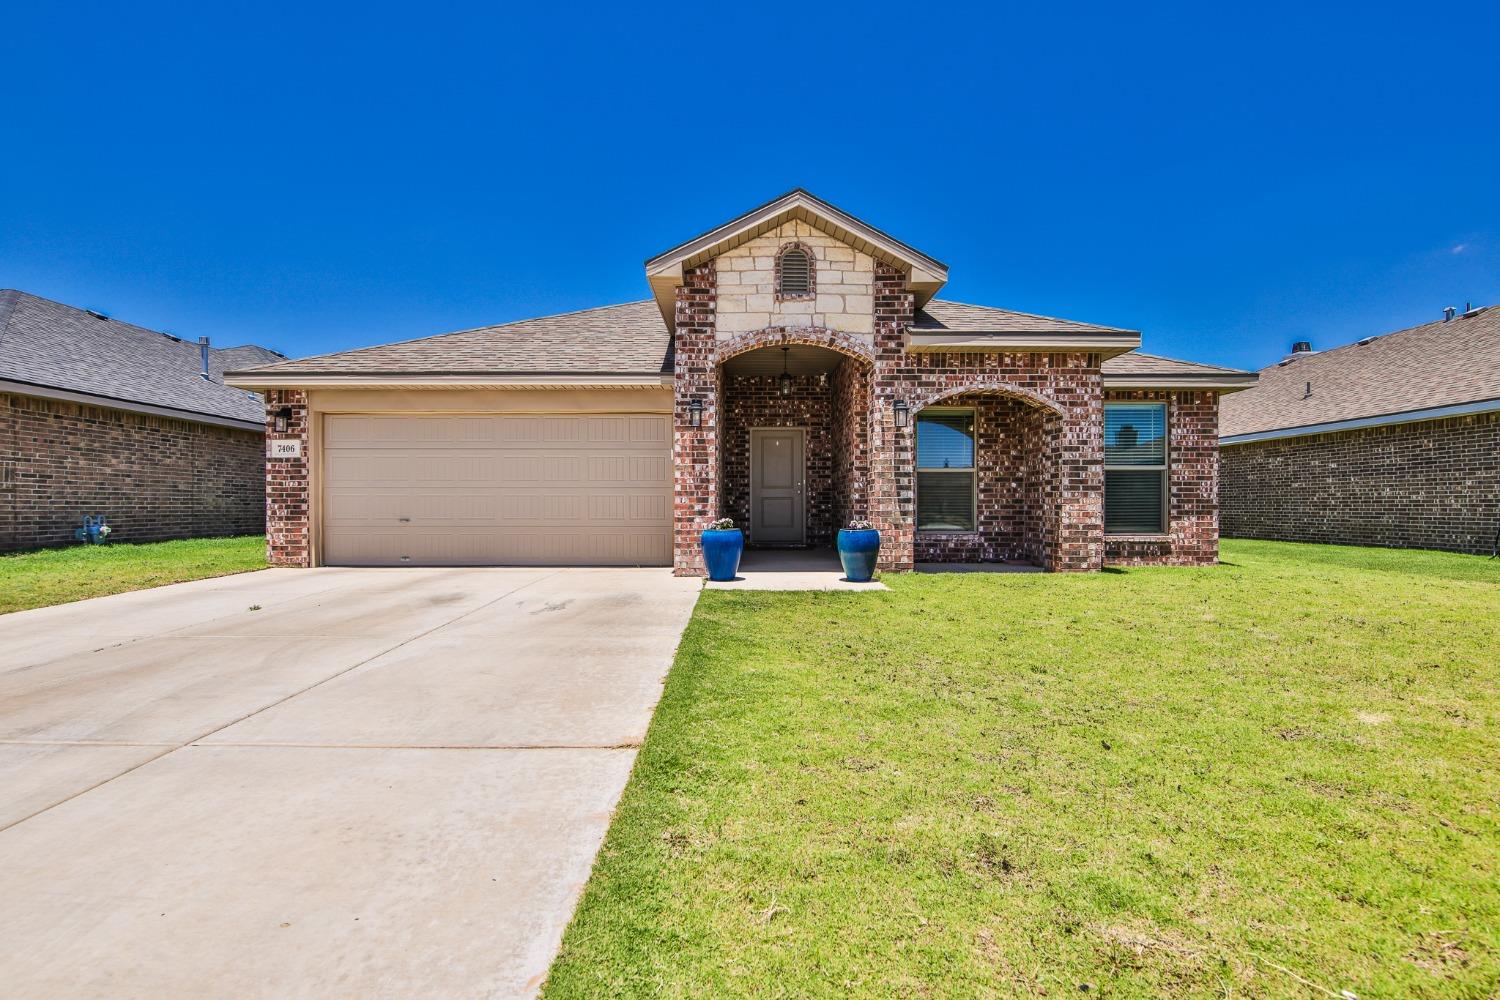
{"x":265,"y":381}
{"x":1213,"y":381}
{"x":1108,"y":345}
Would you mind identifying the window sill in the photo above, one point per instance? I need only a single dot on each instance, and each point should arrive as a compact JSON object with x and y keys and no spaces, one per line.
{"x":946,"y":532}
{"x":1138,"y":536}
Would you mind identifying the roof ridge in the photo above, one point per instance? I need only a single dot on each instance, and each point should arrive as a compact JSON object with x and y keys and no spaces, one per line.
{"x":1185,"y":361}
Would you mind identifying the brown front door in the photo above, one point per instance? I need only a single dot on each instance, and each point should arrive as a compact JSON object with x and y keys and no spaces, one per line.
{"x":777,"y":478}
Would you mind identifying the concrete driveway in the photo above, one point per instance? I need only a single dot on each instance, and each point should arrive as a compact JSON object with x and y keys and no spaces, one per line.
{"x":318,"y":783}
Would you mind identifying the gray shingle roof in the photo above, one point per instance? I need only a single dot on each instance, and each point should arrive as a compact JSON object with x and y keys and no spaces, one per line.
{"x":940,"y":316}
{"x":1135,"y":363}
{"x":1435,"y":364}
{"x":46,"y":343}
{"x":628,"y":339}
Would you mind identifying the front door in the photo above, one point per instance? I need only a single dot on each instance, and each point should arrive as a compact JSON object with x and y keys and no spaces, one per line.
{"x":777,"y":475}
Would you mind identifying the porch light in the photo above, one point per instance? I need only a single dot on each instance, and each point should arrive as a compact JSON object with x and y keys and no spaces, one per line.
{"x":283,"y":418}
{"x":786,"y":378}
{"x":695,"y":413}
{"x":903,"y":413}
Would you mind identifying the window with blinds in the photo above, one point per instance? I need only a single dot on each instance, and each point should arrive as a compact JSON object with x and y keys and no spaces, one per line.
{"x":796,"y":272}
{"x":945,"y":470}
{"x":1135,"y":468}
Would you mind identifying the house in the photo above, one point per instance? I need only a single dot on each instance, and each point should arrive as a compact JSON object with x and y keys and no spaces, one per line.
{"x":792,"y":369}
{"x":1393,"y":440}
{"x":102,"y":417}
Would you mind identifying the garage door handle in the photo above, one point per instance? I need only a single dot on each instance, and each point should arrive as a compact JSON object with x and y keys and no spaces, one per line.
{"x":404,"y":520}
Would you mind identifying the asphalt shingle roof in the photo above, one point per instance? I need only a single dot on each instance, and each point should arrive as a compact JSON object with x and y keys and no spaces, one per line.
{"x":1435,"y":364}
{"x":628,"y":339}
{"x":46,"y":343}
{"x":1141,"y":364}
{"x":941,"y":316}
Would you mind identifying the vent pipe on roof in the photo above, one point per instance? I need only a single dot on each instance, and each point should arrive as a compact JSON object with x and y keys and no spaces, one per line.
{"x":203,"y":358}
{"x":1448,"y":312}
{"x":1308,"y":392}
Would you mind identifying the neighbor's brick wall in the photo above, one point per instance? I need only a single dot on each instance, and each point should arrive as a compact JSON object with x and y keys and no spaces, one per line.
{"x":751,"y":401}
{"x":1192,"y":537}
{"x":152,"y":477}
{"x":288,"y":501}
{"x":1431,"y":485}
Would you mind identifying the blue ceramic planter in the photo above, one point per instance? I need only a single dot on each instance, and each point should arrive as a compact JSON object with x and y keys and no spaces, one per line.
{"x":721,"y":553}
{"x":857,"y":551}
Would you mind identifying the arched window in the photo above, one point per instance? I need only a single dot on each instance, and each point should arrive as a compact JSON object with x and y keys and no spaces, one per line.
{"x":794,"y":272}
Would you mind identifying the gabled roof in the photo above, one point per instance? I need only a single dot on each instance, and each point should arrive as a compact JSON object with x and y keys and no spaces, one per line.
{"x":664,"y":271}
{"x":1427,"y":367}
{"x":51,"y":346}
{"x":606,"y":344}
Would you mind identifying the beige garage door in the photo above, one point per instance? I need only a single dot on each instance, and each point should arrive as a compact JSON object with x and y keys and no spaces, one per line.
{"x":592,"y":490}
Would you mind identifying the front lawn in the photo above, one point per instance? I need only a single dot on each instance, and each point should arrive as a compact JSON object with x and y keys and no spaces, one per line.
{"x":1277,"y":777}
{"x":56,"y":576}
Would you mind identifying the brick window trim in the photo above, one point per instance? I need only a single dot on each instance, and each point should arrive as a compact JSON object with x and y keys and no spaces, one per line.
{"x":812,"y":273}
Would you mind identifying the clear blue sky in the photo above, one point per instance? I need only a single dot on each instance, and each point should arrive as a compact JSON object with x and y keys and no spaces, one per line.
{"x":1225,"y":177}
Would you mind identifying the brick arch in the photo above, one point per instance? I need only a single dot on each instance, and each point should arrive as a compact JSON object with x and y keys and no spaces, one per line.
{"x":990,"y":386}
{"x":786,"y":336}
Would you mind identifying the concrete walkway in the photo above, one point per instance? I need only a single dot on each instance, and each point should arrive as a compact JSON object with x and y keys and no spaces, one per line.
{"x":791,"y":569}
{"x":318,"y":783}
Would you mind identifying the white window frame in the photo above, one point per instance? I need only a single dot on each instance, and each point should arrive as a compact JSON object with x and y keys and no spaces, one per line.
{"x":972,"y":471}
{"x":1162,"y":469}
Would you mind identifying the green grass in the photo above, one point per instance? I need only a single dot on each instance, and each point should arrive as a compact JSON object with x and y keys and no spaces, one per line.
{"x":1233,"y":781}
{"x":56,"y":576}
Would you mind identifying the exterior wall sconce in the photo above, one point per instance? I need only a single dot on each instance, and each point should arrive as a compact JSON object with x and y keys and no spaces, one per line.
{"x":283,"y":419}
{"x":695,"y":413}
{"x":785,"y":380}
{"x":903,"y":413}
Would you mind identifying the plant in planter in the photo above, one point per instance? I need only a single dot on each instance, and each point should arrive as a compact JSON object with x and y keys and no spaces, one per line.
{"x":859,"y":546}
{"x":723,"y":544}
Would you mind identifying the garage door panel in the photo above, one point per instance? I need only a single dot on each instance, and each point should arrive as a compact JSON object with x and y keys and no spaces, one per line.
{"x":497,"y":490}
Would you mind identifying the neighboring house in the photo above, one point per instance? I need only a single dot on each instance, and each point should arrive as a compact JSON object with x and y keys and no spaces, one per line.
{"x":1394,"y":440}
{"x":792,"y":370}
{"x":102,"y":417}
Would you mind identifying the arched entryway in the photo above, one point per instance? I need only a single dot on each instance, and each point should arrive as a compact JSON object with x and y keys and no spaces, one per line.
{"x":793,"y":435}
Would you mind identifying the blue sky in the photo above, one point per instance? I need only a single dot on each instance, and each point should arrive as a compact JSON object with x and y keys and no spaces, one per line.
{"x":1226,"y":178}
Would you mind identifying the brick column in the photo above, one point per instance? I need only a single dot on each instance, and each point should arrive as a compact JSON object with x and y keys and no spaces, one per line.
{"x":695,"y":450}
{"x":892,"y":476}
{"x":1193,"y":479}
{"x":288,"y":538}
{"x":1078,"y":475}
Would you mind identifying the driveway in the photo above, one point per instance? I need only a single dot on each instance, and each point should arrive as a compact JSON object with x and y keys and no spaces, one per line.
{"x":318,"y":783}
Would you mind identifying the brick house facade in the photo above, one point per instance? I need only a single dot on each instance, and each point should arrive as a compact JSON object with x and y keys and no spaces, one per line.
{"x":1390,"y":441}
{"x":855,"y":355}
{"x":99,"y":417}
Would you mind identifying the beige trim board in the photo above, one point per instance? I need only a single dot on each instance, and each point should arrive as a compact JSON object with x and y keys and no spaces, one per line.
{"x":251,"y":380}
{"x":414,"y":400}
{"x":1217,"y":383}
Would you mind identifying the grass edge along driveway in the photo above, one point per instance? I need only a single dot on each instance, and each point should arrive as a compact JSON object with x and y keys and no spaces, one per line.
{"x":44,"y":577}
{"x":1275,"y":777}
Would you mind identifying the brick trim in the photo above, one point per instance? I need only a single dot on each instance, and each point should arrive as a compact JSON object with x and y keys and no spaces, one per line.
{"x":846,"y":344}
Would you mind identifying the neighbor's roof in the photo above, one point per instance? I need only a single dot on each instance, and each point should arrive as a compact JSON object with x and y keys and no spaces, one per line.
{"x":1423,"y":368}
{"x":54,"y":346}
